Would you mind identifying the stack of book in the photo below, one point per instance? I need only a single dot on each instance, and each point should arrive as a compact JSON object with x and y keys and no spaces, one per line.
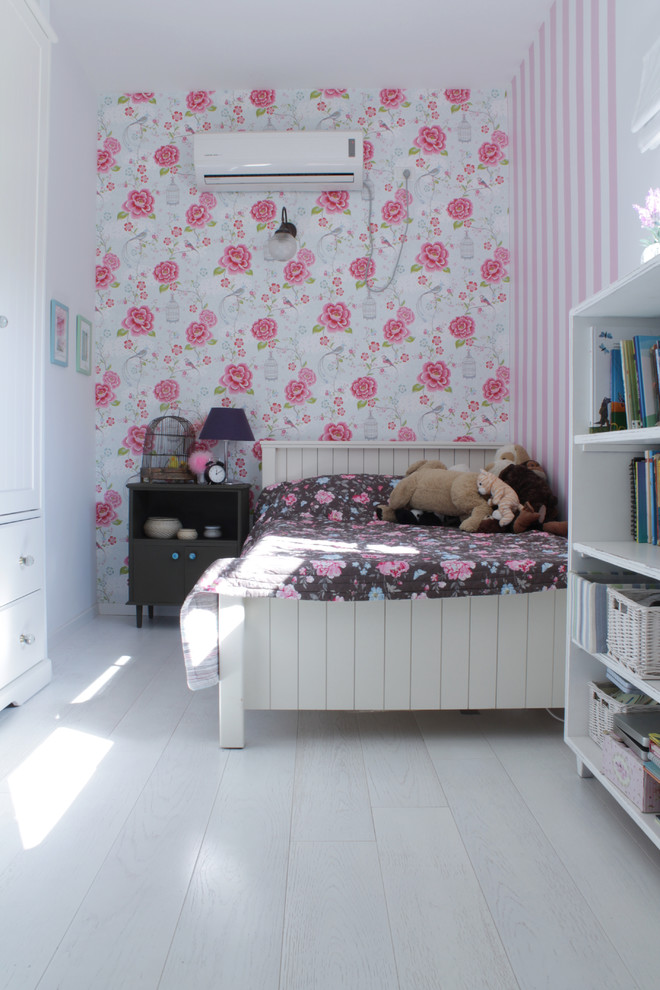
{"x":645,"y":497}
{"x":627,"y":373}
{"x":653,"y":763}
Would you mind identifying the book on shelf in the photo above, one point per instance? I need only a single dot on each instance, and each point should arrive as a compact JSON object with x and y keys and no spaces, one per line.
{"x":631,"y":384}
{"x":617,"y":394}
{"x":645,"y":498}
{"x":644,"y":363}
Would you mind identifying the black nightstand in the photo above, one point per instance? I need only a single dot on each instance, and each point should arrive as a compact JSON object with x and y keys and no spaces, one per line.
{"x":162,"y":572}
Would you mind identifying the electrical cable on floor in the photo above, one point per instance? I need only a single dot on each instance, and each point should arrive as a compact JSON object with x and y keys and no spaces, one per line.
{"x":556,"y":717}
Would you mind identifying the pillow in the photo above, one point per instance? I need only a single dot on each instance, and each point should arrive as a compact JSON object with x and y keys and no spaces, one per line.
{"x":337,"y":497}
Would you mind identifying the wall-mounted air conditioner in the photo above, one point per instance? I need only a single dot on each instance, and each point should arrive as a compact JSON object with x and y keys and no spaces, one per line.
{"x":273,"y":161}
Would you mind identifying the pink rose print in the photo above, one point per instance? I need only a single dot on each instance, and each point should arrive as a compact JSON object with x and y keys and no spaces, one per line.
{"x":324,"y":498}
{"x":460,"y":209}
{"x":236,"y":258}
{"x":457,"y":95}
{"x":492,"y":270}
{"x":433,"y":257}
{"x":290,"y":499}
{"x":288,"y":591}
{"x":262,"y":98}
{"x":367,"y":151}
{"x":364,"y":387}
{"x":112,"y":145}
{"x":103,"y":395}
{"x":503,"y":374}
{"x":197,"y":215}
{"x":297,"y":392}
{"x":405,"y":314}
{"x":307,"y":376}
{"x":335,"y":316}
{"x":256,"y":450}
{"x":263,"y":211}
{"x":104,"y":514}
{"x":113,"y":498}
{"x":167,"y":390}
{"x":459,"y":570}
{"x":112,"y":379}
{"x":392,"y":98}
{"x":198,"y":334}
{"x":111,"y":260}
{"x":499,"y":137}
{"x":435,"y":375}
{"x":264,"y":329}
{"x":138,"y":320}
{"x":335,"y":201}
{"x":520,"y":565}
{"x":141,"y":97}
{"x":336,"y":431}
{"x":167,"y":155}
{"x":329,"y":93}
{"x":134,"y":439}
{"x":166,"y":272}
{"x":431,"y":139}
{"x":237,"y":378}
{"x":362,"y":499}
{"x":462,"y":327}
{"x":208,"y":317}
{"x":494,"y":390}
{"x":208,"y":200}
{"x":306,"y":256}
{"x":198,"y":100}
{"x":395,"y":331}
{"x":362,"y":269}
{"x":104,"y":160}
{"x":406,"y":434}
{"x":393,"y":212}
{"x":502,"y":254}
{"x":104,"y":277}
{"x":295,"y":272}
{"x":140,"y":203}
{"x":392,"y":568}
{"x":328,"y":568}
{"x":490,"y":154}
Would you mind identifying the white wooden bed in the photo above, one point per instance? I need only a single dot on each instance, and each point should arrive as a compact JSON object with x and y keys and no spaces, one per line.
{"x":497,"y":651}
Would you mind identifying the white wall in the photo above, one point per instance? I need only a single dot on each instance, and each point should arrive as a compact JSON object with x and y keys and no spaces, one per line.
{"x":69,"y":396}
{"x":637,"y":28}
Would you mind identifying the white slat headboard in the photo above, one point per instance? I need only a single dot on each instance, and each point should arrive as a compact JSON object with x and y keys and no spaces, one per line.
{"x":290,"y":460}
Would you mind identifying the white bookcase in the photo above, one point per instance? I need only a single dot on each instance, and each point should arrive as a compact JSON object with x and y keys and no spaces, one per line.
{"x":599,"y":504}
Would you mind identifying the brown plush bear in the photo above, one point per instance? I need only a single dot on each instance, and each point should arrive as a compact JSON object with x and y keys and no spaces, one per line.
{"x":431,"y":487}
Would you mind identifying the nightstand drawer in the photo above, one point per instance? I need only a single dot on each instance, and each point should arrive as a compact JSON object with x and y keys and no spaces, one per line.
{"x":22,"y":636}
{"x":21,"y":558}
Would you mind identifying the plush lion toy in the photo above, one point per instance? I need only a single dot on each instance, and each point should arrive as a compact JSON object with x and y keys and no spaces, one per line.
{"x":431,"y":487}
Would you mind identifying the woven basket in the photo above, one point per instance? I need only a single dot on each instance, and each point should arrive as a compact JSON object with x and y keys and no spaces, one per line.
{"x":633,"y":630}
{"x":603,"y":708}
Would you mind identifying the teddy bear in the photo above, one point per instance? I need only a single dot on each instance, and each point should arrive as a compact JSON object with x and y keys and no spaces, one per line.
{"x":432,"y":487}
{"x":503,"y":498}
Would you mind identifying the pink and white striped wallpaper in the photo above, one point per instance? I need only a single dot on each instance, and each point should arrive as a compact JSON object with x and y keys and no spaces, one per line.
{"x":564,"y":211}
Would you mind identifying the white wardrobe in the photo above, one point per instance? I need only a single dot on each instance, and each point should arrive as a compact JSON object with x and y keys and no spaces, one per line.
{"x":25,"y":41}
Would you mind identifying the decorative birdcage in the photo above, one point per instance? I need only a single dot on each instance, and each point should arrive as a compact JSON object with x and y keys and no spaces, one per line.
{"x":167,"y":444}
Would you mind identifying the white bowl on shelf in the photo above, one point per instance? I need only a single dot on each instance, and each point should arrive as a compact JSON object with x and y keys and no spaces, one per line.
{"x":161,"y":527}
{"x":187,"y":534}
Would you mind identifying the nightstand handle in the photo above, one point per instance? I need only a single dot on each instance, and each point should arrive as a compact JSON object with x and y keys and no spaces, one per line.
{"x":27,"y":638}
{"x":175,"y":556}
{"x":26,"y":560}
{"x":192,"y":556}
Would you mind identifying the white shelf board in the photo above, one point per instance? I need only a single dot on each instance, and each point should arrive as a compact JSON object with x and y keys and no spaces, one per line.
{"x":636,"y":295}
{"x":592,"y":756}
{"x":650,"y":685}
{"x":643,"y":558}
{"x":620,"y":439}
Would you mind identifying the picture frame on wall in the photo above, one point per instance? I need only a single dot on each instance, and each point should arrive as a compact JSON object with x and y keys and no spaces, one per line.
{"x":59,"y":333}
{"x":83,"y":346}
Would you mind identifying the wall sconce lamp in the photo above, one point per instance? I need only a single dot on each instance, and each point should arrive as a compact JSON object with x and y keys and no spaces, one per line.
{"x":226,"y":424}
{"x":282,"y":245}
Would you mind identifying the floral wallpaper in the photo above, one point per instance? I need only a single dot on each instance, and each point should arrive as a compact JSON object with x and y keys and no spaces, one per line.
{"x":390,"y":322}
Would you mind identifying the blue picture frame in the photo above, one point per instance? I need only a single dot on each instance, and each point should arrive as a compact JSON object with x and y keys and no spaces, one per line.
{"x":59,"y":333}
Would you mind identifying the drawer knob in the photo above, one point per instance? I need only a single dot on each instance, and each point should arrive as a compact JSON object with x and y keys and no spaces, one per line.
{"x":27,"y":638}
{"x":192,"y":556}
{"x":26,"y":560}
{"x":175,"y":556}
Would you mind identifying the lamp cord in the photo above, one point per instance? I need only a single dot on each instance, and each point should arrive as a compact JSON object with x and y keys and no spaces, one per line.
{"x":406,"y":176}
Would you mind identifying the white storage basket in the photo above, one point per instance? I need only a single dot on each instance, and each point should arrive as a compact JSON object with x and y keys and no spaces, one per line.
{"x":633,"y":630}
{"x":603,"y":708}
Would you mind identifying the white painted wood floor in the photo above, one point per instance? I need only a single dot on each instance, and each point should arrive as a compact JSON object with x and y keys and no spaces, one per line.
{"x":336,"y":851}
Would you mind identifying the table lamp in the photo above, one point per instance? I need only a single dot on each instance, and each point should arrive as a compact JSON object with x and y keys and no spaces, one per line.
{"x":226,"y":424}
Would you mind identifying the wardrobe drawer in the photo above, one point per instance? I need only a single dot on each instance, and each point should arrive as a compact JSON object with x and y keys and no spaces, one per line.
{"x":22,"y":636}
{"x":21,"y":559}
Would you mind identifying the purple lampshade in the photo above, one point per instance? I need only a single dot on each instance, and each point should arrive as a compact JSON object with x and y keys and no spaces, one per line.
{"x":226,"y":424}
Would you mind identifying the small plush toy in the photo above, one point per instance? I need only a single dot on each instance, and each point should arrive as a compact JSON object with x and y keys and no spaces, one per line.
{"x":431,"y":487}
{"x":503,"y":498}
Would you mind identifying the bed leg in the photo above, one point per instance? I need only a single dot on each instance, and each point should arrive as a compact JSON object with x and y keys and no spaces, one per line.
{"x":231,"y":617}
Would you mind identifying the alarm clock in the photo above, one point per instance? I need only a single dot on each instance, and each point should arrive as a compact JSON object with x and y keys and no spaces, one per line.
{"x":215,"y":473}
